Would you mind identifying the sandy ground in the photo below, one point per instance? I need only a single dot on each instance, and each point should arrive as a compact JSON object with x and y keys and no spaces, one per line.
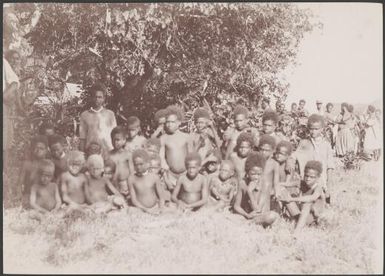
{"x":349,"y":241}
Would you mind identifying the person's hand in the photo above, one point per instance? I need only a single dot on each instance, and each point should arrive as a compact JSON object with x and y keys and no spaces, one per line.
{"x":182,"y":205}
{"x":290,"y":165}
{"x":253,"y":214}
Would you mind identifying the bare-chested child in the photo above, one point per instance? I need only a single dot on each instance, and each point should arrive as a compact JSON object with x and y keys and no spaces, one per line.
{"x":192,"y":190}
{"x":269,"y":125}
{"x":57,"y":145}
{"x":156,"y":168}
{"x":100,"y":192}
{"x":205,"y":138}
{"x":266,"y":146}
{"x":250,"y":198}
{"x":174,"y":147}
{"x":45,"y":195}
{"x":29,"y":170}
{"x":160,"y":120}
{"x":145,"y":187}
{"x":241,"y":118}
{"x":242,"y":150}
{"x":211,"y":164}
{"x":311,"y":202}
{"x":224,"y":186}
{"x":73,"y":182}
{"x":134,"y":140}
{"x":122,"y":160}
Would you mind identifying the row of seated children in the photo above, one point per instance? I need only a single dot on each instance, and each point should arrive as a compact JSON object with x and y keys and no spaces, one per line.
{"x":169,"y":171}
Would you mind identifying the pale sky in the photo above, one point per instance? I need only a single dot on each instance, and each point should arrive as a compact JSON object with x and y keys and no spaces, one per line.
{"x":343,"y":60}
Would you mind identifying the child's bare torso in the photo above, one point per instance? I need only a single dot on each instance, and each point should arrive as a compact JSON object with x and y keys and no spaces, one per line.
{"x":75,"y":186}
{"x":45,"y":196}
{"x":176,"y":147}
{"x":239,"y":164}
{"x":191,"y":189}
{"x":224,"y":188}
{"x":97,"y":189}
{"x":122,"y":161}
{"x":145,"y":189}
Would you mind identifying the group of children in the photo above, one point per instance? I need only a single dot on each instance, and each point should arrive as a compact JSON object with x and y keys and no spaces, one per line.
{"x":251,"y":172}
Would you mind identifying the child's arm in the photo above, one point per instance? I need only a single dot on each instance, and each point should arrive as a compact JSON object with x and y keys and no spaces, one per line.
{"x":159,"y":191}
{"x":162,"y":154}
{"x":32,"y":201}
{"x":308,"y":198}
{"x":205,"y":195}
{"x":157,"y":131}
{"x":64,"y":190}
{"x":134,"y":200}
{"x":213,"y":189}
{"x":238,"y":199}
{"x":57,"y":198}
{"x":112,"y":188}
{"x":230,"y":148}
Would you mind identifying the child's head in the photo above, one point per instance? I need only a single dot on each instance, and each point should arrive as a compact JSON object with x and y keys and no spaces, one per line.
{"x":283,"y":151}
{"x":39,"y":145}
{"x":140,"y":158}
{"x":319,"y":105}
{"x":212,"y":165}
{"x":244,"y":144}
{"x":350,"y":108}
{"x":98,"y":93}
{"x":155,"y":164}
{"x":133,"y":126}
{"x":46,"y":171}
{"x":255,"y":163}
{"x":302,"y":103}
{"x":193,"y":164}
{"x":315,"y":124}
{"x":94,"y":147}
{"x":95,"y":165}
{"x":47,"y":129}
{"x":269,"y":122}
{"x":75,"y":161}
{"x":152,"y":146}
{"x":266,"y":145}
{"x":173,"y":119}
{"x":371,"y":109}
{"x":241,"y":115}
{"x":109,"y":169}
{"x":294,"y":107}
{"x":201,"y":118}
{"x":56,"y":145}
{"x":226,"y":170}
{"x":344,"y":107}
{"x":160,"y":117}
{"x":329,"y":107}
{"x":118,"y":137}
{"x":313,"y":170}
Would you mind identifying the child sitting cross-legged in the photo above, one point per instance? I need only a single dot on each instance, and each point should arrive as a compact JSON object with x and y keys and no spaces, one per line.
{"x":191,"y":191}
{"x":100,"y":192}
{"x":310,"y":201}
{"x":45,"y":195}
{"x":223,"y":186}
{"x":251,"y":197}
{"x":145,"y":187}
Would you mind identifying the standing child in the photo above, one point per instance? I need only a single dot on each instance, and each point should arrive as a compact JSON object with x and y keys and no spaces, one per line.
{"x":191,"y":191}
{"x":134,"y":140}
{"x":269,"y":126}
{"x":73,"y":182}
{"x":145,"y":187}
{"x":224,"y":185}
{"x":242,"y":150}
{"x":28,"y":174}
{"x":44,"y":192}
{"x":99,"y":188}
{"x":160,"y":120}
{"x":310,"y":199}
{"x":266,"y":145}
{"x":174,"y":146}
{"x":59,"y":157}
{"x":122,"y":160}
{"x":250,"y":198}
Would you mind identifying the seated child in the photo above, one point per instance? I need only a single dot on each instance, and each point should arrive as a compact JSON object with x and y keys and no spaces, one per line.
{"x":134,"y":140}
{"x":59,"y":158}
{"x":44,"y":192}
{"x":205,"y":138}
{"x":29,"y":170}
{"x":145,"y":187}
{"x":250,"y":199}
{"x":99,"y":188}
{"x":310,"y":201}
{"x":160,"y":119}
{"x":73,"y":182}
{"x":156,"y":168}
{"x":152,"y":146}
{"x":191,"y":191}
{"x":242,"y":150}
{"x":210,"y":164}
{"x":224,"y":186}
{"x":122,"y":160}
{"x":174,"y":146}
{"x":266,"y":145}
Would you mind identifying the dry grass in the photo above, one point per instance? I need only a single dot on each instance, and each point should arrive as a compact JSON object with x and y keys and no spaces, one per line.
{"x":349,"y":242}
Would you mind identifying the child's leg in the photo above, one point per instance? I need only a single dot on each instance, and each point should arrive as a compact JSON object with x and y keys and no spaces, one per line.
{"x":305,"y":216}
{"x":317,"y":208}
{"x":266,"y":219}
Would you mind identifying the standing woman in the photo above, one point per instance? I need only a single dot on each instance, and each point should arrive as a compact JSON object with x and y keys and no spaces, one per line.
{"x":372,"y":142}
{"x":97,"y":123}
{"x":345,"y":141}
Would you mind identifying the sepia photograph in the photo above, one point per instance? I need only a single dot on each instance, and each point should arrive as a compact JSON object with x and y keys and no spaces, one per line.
{"x":193,"y":138}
